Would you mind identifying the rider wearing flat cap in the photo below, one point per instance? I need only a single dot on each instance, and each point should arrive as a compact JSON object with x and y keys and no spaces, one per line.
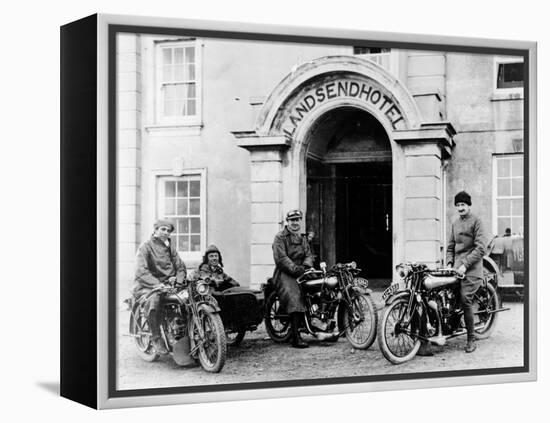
{"x":157,"y":262}
{"x":292,"y":256}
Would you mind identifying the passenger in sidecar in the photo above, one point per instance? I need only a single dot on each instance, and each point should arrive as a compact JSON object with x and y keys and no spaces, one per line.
{"x":241,"y":308}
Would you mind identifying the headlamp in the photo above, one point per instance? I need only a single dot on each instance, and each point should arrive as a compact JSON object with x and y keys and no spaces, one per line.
{"x":202,"y":288}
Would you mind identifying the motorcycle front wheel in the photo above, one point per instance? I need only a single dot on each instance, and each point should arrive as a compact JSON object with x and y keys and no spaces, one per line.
{"x":397,"y":344}
{"x":140,"y":331}
{"x":361,"y":320}
{"x":212,"y":347}
{"x":485,"y":300}
{"x":278,"y":328}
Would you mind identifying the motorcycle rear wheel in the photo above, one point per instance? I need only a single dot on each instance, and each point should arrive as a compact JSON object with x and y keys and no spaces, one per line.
{"x":212,"y":349}
{"x":140,"y":326}
{"x":396,"y":345}
{"x":277,"y":329}
{"x":362,"y":334}
{"x":486,"y":299}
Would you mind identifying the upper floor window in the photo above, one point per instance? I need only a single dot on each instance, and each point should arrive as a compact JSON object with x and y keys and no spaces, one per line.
{"x":178,"y":76}
{"x":378,"y":55}
{"x":509,"y":75}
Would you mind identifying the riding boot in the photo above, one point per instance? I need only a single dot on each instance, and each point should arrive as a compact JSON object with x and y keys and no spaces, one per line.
{"x":154,"y":326}
{"x":297,"y":341}
{"x":425,"y":349}
{"x":469,"y":321}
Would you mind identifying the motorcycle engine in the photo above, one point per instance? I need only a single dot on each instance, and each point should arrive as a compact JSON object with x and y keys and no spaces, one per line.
{"x":322,"y":305}
{"x":176,"y":324}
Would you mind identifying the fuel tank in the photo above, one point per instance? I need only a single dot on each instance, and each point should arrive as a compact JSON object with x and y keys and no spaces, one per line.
{"x":330,"y":281}
{"x":432,"y":282}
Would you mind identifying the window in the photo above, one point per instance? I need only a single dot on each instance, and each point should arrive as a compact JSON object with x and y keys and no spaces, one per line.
{"x":380,"y":56}
{"x":181,"y":200}
{"x":179,"y":83}
{"x":508,"y":75}
{"x":508,"y":194}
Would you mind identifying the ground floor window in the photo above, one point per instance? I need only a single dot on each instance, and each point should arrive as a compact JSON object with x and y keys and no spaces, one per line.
{"x":508,"y":194}
{"x":181,"y":200}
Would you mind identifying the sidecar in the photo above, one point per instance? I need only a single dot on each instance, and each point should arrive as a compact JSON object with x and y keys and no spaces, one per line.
{"x":241,"y":311}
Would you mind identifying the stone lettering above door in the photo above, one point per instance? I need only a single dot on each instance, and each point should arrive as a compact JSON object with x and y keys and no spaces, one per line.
{"x":309,"y":98}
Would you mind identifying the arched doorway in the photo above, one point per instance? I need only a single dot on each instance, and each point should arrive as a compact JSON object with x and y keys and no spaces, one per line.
{"x":349,"y":190}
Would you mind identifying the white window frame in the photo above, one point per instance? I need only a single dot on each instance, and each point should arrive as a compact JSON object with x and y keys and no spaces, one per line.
{"x":192,"y":174}
{"x":496,"y":158}
{"x":517,"y":91}
{"x":159,"y":106}
{"x":392,"y":55}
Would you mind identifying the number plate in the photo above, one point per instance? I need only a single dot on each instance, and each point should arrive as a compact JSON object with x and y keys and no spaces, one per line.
{"x":390,"y":290}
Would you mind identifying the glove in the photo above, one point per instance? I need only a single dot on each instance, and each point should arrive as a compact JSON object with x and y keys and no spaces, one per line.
{"x":300,"y":270}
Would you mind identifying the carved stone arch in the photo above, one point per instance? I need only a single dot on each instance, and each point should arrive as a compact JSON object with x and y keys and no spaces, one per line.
{"x":266,"y":123}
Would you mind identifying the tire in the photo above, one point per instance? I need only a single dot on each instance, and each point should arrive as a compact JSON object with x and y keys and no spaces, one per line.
{"x":212,"y":351}
{"x":361,"y":334}
{"x":235,"y":338}
{"x":388,"y":338}
{"x":277,"y":329}
{"x":486,"y":298}
{"x":138,"y":326}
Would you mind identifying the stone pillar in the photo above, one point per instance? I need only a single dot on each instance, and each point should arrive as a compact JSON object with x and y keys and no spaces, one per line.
{"x":266,"y":197}
{"x":423,"y":203}
{"x":128,"y":155}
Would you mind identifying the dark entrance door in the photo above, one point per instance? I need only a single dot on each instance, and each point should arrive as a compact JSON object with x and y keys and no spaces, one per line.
{"x":350,"y":209}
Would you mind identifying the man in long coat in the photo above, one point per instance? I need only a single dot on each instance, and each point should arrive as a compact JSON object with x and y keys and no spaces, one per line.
{"x":157,"y":262}
{"x":292,"y":256}
{"x":466,"y":248}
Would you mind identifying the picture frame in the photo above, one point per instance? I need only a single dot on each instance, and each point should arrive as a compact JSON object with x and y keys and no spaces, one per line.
{"x":93,"y":108}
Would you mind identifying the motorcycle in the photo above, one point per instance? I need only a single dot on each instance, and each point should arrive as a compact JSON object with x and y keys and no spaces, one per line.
{"x":337,"y":303}
{"x":425,"y":306}
{"x":188,"y":311}
{"x":241,"y":310}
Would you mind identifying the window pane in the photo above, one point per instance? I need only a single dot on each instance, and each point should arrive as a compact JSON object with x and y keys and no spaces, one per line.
{"x":183,"y":243}
{"x":169,"y":108}
{"x":503,"y":167}
{"x":503,"y":224}
{"x":194,"y":207}
{"x":195,"y":242}
{"x":190,"y":54}
{"x":191,"y":91}
{"x":166,"y":56}
{"x":179,"y":73}
{"x":170,"y":189}
{"x":503,"y":207}
{"x":169,"y":206}
{"x":503,"y":187}
{"x":517,"y":207}
{"x":191,"y":72}
{"x":195,"y":188}
{"x":183,"y":206}
{"x":517,"y":186}
{"x":191,"y":109}
{"x":183,"y":189}
{"x":195,"y":225}
{"x":517,"y":225}
{"x":517,"y":166}
{"x":183,"y":225}
{"x":178,"y":55}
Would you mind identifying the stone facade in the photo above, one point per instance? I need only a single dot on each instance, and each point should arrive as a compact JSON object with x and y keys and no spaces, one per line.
{"x":259,"y":106}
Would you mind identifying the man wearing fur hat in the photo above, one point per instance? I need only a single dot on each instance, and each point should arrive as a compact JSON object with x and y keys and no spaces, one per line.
{"x":292,"y":256}
{"x":465,"y":251}
{"x":212,"y":268}
{"x":157,"y":262}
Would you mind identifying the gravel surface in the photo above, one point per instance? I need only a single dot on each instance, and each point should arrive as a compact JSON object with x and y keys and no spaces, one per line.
{"x":258,"y":359}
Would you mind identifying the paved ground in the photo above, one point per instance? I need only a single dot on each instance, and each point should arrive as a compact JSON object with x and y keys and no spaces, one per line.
{"x":258,"y":359}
